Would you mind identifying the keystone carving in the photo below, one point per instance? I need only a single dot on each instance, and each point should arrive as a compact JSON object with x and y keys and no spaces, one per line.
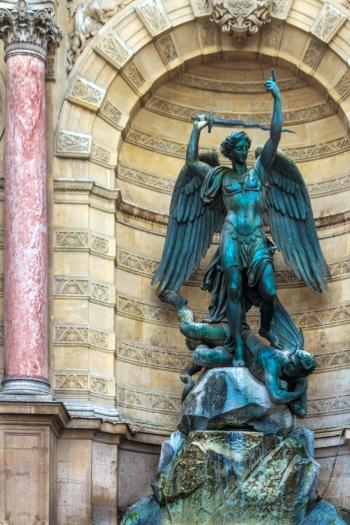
{"x":241,"y":18}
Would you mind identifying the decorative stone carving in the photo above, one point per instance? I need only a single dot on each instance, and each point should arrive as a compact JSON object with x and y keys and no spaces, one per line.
{"x":328,"y":22}
{"x":314,"y":53}
{"x":78,"y":335}
{"x":240,"y":18}
{"x":163,"y":402}
{"x":87,"y":94}
{"x":114,"y":50}
{"x":89,"y":17}
{"x":71,"y":239}
{"x":166,"y":48}
{"x":272,"y":36}
{"x":332,"y":405}
{"x":207,"y":33}
{"x":226,"y":86}
{"x":147,"y":180}
{"x":153,"y":15}
{"x":28,"y":29}
{"x":166,"y":107}
{"x":76,"y":286}
{"x":100,"y":155}
{"x":133,"y":76}
{"x":201,"y":7}
{"x":281,"y":8}
{"x":343,"y":86}
{"x":110,"y":113}
{"x":299,"y":154}
{"x":153,"y":357}
{"x":72,"y":144}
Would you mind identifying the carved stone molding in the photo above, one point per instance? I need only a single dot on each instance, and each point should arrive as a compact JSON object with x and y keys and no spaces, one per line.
{"x":306,"y":319}
{"x":143,"y":265}
{"x":280,"y":8}
{"x":89,"y":17}
{"x":208,"y":33}
{"x":130,"y":307}
{"x":133,"y":76}
{"x":114,"y":50}
{"x":71,"y":286}
{"x":80,"y":240}
{"x":166,"y":48}
{"x":27,"y":30}
{"x":343,"y":86}
{"x":79,"y":380}
{"x":299,"y":154}
{"x":314,"y":53}
{"x":227,"y":86}
{"x":331,"y":405}
{"x":86,"y":94}
{"x":73,"y":144}
{"x":153,"y":15}
{"x":240,"y":18}
{"x":111,"y":113}
{"x":151,"y":401}
{"x":328,"y":22}
{"x":82,"y":335}
{"x":296,"y":116}
{"x":335,"y":359}
{"x":154,"y":357}
{"x":165,"y":185}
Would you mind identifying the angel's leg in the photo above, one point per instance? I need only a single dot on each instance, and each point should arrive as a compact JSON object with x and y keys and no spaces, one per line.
{"x":234,"y":312}
{"x":267,"y":291}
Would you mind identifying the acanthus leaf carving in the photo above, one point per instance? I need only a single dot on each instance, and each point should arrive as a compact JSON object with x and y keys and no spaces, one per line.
{"x":240,"y":18}
{"x":114,"y":50}
{"x":86,"y":94}
{"x":328,"y":22}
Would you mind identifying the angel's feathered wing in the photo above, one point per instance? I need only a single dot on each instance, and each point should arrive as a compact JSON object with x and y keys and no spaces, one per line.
{"x":290,"y":217}
{"x":191,"y":227}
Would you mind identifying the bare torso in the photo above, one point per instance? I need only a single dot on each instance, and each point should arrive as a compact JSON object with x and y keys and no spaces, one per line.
{"x":244,"y":199}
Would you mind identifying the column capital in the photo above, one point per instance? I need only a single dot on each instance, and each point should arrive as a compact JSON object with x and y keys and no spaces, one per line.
{"x":28,"y":30}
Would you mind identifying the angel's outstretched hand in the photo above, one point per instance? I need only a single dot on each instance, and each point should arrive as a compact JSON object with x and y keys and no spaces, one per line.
{"x":271,"y":85}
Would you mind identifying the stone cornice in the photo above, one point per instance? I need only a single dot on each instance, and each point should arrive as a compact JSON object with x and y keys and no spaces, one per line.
{"x":293,"y":116}
{"x":27,"y":30}
{"x":166,"y":185}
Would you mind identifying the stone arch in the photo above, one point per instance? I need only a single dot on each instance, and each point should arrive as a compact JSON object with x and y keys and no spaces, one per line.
{"x":120,"y":68}
{"x":136,"y":51}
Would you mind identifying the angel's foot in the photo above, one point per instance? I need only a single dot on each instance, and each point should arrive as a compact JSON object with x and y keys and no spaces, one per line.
{"x":173,"y":298}
{"x":238,"y":356}
{"x":272,"y":337}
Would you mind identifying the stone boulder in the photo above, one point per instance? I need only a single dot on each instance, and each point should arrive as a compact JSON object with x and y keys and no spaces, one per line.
{"x":240,"y":478}
{"x":229,"y":398}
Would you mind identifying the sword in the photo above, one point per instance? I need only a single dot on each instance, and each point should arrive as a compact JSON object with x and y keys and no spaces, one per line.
{"x":228,"y":123}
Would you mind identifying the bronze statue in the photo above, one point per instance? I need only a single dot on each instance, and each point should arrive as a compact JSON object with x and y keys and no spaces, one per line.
{"x":238,"y":202}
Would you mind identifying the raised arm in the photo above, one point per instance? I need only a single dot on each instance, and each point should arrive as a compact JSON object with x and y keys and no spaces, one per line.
{"x":192,"y":154}
{"x":270,"y":149}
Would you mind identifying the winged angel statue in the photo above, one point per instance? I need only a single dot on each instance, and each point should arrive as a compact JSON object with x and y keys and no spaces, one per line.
{"x":239,"y":202}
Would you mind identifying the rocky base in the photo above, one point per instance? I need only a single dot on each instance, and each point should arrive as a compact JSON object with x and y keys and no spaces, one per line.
{"x":241,"y":478}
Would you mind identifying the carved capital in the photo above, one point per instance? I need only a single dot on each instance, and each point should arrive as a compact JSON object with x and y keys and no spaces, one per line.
{"x":27,"y":30}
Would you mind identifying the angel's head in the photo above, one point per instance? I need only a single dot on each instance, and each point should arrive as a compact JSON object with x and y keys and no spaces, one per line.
{"x":209,"y":156}
{"x":236,"y":146}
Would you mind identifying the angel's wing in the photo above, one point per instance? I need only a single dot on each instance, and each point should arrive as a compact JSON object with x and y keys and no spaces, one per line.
{"x":191,"y":227}
{"x":290,"y":217}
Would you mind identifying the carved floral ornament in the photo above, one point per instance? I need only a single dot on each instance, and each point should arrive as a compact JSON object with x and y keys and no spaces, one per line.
{"x":30,"y":30}
{"x":241,"y":18}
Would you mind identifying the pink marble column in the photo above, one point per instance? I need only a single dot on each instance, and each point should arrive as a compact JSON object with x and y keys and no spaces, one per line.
{"x":26,"y":238}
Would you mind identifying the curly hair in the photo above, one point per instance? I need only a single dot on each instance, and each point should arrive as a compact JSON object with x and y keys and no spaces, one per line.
{"x":231,"y":140}
{"x":306,"y":361}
